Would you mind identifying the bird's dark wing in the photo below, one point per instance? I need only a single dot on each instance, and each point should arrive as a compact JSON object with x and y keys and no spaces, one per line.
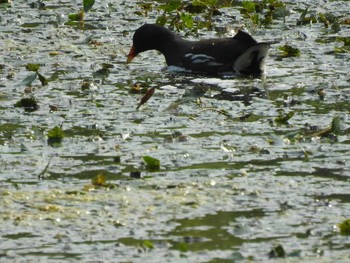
{"x":212,"y":55}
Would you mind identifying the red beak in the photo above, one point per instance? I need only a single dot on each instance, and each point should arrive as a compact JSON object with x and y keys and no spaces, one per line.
{"x":131,"y":55}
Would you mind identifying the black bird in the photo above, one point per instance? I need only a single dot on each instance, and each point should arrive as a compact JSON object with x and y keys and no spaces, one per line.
{"x":239,"y":54}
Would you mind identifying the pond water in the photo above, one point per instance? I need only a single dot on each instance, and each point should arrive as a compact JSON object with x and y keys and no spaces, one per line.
{"x":233,"y":185}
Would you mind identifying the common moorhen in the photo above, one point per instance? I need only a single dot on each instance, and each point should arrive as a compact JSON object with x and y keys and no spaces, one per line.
{"x":239,"y":54}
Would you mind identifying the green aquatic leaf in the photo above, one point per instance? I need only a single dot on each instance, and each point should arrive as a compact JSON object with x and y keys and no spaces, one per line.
{"x":76,"y":17}
{"x":148,"y":244}
{"x":248,"y":6}
{"x":87,"y":5}
{"x":204,"y":2}
{"x":187,"y":20}
{"x":29,"y":79}
{"x":182,"y":247}
{"x":29,"y":104}
{"x":322,"y":18}
{"x":346,"y":45}
{"x":32,"y":67}
{"x":55,"y":135}
{"x":335,"y":127}
{"x":302,"y":17}
{"x":277,"y":252}
{"x":283,"y":119}
{"x":171,"y":6}
{"x":344,"y":227}
{"x":43,"y":80}
{"x":152,"y":163}
{"x":289,"y":51}
{"x":99,"y":180}
{"x":161,"y":20}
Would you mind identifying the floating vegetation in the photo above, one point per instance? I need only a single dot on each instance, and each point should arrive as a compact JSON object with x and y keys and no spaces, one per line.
{"x":289,"y":51}
{"x":79,"y":17}
{"x":55,"y":136}
{"x":346,"y":45}
{"x":344,"y":227}
{"x":152,"y":164}
{"x":262,"y":13}
{"x":148,"y":244}
{"x":198,"y":14}
{"x":137,"y":88}
{"x":181,"y":14}
{"x":277,"y":252}
{"x":284,"y":118}
{"x":32,"y":67}
{"x":29,"y":104}
{"x":30,"y":79}
{"x":99,"y":182}
{"x":330,"y":132}
{"x":328,"y":19}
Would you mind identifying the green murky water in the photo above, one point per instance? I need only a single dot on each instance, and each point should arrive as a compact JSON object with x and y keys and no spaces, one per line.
{"x":234,"y":186}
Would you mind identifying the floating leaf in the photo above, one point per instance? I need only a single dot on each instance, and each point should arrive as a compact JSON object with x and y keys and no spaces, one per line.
{"x":335,"y":128}
{"x":277,"y":252}
{"x":87,"y":5}
{"x":204,"y":2}
{"x":86,"y":85}
{"x":172,"y":6}
{"x":55,"y":53}
{"x":29,"y":104}
{"x":29,"y":79}
{"x":302,"y":17}
{"x":148,"y":244}
{"x":329,"y":131}
{"x":76,"y":17}
{"x":187,"y":20}
{"x":100,"y":180}
{"x":248,"y":6}
{"x":182,"y":247}
{"x":289,"y":51}
{"x":43,"y":80}
{"x":137,"y":89}
{"x":283,"y":119}
{"x":161,"y":20}
{"x":146,"y":97}
{"x":32,"y":67}
{"x":55,"y":135}
{"x":152,"y":163}
{"x":344,"y":227}
{"x":346,"y":45}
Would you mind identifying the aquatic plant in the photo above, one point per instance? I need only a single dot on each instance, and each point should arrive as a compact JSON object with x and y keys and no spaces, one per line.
{"x":344,"y":227}
{"x":151,"y":163}
{"x":198,"y":14}
{"x":30,"y":79}
{"x":87,"y":5}
{"x":262,"y":13}
{"x":55,"y":136}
